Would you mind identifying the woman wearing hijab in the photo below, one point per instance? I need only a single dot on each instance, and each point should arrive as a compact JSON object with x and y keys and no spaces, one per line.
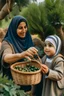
{"x":16,"y":46}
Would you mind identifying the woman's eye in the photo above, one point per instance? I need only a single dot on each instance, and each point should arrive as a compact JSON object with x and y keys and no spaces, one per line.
{"x":22,"y":27}
{"x":19,"y":27}
{"x":25,"y":27}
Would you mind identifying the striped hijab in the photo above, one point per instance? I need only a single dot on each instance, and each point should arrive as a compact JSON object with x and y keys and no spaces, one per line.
{"x":56,"y":41}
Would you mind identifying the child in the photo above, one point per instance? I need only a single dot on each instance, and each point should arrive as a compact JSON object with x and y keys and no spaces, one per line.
{"x":52,"y":72}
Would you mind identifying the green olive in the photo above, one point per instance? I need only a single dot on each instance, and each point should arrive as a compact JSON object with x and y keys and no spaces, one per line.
{"x":27,"y":68}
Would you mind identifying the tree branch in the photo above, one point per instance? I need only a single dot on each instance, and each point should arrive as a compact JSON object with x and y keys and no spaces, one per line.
{"x":6,"y":9}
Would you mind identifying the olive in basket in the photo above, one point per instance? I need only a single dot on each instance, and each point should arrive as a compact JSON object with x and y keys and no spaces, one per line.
{"x":27,"y":68}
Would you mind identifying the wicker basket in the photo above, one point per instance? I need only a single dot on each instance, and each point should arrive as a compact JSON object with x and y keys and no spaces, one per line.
{"x":26,"y":78}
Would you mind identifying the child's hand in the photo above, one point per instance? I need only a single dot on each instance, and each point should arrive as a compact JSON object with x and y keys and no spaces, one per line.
{"x":44,"y":69}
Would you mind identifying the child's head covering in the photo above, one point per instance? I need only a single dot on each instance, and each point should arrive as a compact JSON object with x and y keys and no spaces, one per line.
{"x":55,"y":40}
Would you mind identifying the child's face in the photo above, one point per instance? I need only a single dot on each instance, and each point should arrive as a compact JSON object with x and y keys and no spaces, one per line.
{"x":49,"y":49}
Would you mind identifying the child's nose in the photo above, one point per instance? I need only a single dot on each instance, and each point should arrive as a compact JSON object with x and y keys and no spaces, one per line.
{"x":47,"y":46}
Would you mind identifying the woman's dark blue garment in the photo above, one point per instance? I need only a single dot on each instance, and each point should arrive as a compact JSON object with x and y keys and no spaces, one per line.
{"x":19,"y":44}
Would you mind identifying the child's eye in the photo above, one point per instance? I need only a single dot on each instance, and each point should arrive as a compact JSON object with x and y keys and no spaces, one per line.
{"x":45,"y":45}
{"x":50,"y":45}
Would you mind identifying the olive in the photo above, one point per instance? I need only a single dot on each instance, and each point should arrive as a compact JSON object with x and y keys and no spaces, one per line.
{"x":27,"y":68}
{"x":27,"y":65}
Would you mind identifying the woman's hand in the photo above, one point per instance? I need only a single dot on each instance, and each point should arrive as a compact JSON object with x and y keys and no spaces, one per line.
{"x":44,"y":69}
{"x":29,"y":53}
{"x":32,"y":50}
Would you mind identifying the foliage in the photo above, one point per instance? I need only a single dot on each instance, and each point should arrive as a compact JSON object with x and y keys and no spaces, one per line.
{"x":55,"y":11}
{"x":36,"y":18}
{"x":40,"y":51}
{"x":15,"y":9}
{"x":44,"y":17}
{"x":5,"y":24}
{"x":0,"y":23}
{"x":9,"y":88}
{"x":49,"y":30}
{"x":22,"y":2}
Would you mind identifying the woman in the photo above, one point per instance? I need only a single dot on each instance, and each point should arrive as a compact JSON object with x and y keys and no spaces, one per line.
{"x":17,"y":45}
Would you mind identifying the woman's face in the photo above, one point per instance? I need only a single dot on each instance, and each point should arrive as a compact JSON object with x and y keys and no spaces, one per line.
{"x":22,"y":29}
{"x":49,"y":49}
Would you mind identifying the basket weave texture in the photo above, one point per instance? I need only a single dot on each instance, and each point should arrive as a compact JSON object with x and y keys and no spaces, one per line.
{"x":26,"y":78}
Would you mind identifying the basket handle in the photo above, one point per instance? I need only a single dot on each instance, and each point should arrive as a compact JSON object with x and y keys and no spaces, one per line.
{"x":38,"y":58}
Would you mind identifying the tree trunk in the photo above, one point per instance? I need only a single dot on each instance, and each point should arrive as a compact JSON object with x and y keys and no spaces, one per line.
{"x":60,"y":33}
{"x":6,"y":8}
{"x":2,"y":3}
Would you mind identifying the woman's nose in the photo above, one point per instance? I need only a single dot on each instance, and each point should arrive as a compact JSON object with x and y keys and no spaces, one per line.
{"x":24,"y":30}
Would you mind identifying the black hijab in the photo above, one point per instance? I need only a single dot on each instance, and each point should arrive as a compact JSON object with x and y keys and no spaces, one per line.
{"x":19,"y":44}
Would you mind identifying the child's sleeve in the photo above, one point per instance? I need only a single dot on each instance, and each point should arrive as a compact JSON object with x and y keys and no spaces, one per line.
{"x":57,"y":72}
